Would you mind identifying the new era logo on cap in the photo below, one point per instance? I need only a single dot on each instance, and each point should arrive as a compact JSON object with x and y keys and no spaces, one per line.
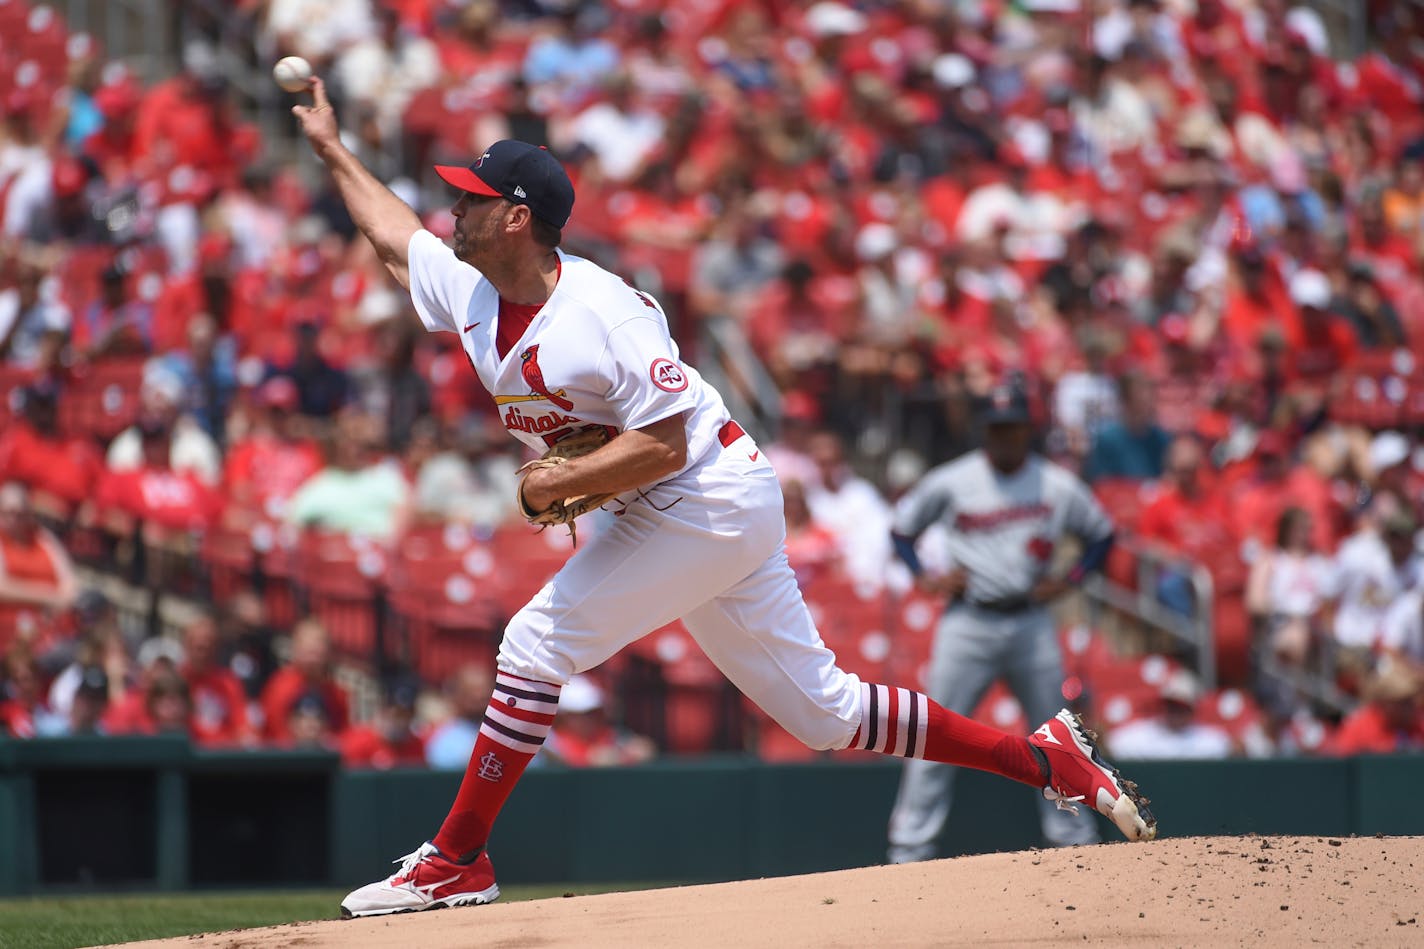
{"x":518,"y":172}
{"x":1007,"y":403}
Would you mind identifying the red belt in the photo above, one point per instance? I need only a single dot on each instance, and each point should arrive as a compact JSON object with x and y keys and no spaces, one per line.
{"x":729,"y":433}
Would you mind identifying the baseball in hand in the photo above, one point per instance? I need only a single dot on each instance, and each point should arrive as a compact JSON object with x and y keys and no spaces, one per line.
{"x":292,"y":73}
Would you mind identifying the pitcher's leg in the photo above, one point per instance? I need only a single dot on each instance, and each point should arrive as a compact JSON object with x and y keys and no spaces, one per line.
{"x":761,"y":636}
{"x":631,"y":579}
{"x":963,"y":664}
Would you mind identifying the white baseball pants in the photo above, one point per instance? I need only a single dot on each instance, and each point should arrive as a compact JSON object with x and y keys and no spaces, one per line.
{"x":706,"y":547}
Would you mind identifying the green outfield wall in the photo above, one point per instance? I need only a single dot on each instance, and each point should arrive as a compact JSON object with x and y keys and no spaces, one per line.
{"x":153,"y":813}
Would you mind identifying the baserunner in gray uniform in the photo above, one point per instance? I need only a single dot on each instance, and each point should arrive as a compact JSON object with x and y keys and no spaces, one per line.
{"x":1004,"y":509}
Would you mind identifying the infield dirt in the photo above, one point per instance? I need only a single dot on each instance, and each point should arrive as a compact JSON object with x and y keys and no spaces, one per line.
{"x":1189,"y":891}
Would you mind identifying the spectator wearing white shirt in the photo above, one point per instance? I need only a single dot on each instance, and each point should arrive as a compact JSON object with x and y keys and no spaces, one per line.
{"x":384,"y":70}
{"x":850,"y":508}
{"x":33,"y":323}
{"x":1174,"y":733}
{"x":1402,"y":634}
{"x":622,"y":131}
{"x":318,"y":29}
{"x":160,"y":405}
{"x":1288,"y":589}
{"x":1086,"y":399}
{"x":1373,"y":568}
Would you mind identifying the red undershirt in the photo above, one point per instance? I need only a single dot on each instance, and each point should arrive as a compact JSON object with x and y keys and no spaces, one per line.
{"x":514,"y":319}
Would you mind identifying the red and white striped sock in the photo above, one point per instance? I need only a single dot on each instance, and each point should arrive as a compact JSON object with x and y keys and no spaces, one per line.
{"x":518,"y":719}
{"x":910,"y":724}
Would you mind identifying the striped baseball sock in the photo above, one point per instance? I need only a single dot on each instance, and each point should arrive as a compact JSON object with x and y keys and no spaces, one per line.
{"x":910,"y":724}
{"x":518,"y":719}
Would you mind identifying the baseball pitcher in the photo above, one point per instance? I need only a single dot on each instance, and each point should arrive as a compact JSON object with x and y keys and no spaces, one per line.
{"x":569,"y":350}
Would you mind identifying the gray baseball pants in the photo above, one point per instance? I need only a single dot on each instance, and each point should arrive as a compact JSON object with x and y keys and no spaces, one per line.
{"x":972,"y":648}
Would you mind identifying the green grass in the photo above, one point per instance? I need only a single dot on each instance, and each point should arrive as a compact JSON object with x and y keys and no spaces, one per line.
{"x":65,"y":922}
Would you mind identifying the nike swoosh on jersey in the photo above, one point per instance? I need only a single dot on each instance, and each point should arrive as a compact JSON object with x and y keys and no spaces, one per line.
{"x":754,"y":455}
{"x":471,"y":326}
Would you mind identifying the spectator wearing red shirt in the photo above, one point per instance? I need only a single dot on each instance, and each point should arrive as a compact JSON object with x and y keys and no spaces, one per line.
{"x":1257,"y":299}
{"x":276,"y":457}
{"x":167,"y":503}
{"x":1391,"y":720}
{"x":1261,"y":497}
{"x":390,"y":740}
{"x":1322,"y":344}
{"x":1190,"y":518}
{"x":114,"y":148}
{"x":306,"y":676}
{"x":583,"y":737}
{"x":812,"y":549}
{"x":217,"y":698}
{"x":60,"y":472}
{"x":187,"y":120}
{"x":36,"y":576}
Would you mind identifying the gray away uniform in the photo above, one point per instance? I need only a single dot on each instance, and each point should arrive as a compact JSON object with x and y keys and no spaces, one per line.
{"x":1002,"y":531}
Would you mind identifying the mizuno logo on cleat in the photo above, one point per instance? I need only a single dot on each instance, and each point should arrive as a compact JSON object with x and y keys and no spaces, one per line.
{"x":428,"y":891}
{"x":1047,"y":734}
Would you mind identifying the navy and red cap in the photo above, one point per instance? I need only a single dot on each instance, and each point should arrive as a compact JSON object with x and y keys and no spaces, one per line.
{"x":520,"y":173}
{"x":1007,"y":405}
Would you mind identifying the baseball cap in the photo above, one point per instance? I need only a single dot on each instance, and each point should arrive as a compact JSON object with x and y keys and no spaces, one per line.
{"x":580,"y":695}
{"x":518,"y":172}
{"x":1180,"y":687}
{"x":1007,"y":404}
{"x":1310,"y":288}
{"x":279,"y":392}
{"x":1388,"y":449}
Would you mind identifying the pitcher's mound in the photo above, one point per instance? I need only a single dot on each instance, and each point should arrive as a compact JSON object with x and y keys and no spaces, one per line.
{"x":1201,"y":891}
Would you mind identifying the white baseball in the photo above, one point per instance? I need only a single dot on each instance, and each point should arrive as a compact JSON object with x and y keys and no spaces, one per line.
{"x":292,"y":73}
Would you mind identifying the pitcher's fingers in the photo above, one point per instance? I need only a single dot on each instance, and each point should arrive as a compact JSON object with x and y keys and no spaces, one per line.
{"x":318,"y":91}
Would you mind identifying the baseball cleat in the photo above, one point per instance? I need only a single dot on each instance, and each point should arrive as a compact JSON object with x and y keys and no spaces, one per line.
{"x":427,"y":879}
{"x":1078,"y":773}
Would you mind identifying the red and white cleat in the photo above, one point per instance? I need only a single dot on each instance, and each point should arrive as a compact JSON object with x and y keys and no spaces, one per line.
{"x":1079,"y":773}
{"x":427,"y":879}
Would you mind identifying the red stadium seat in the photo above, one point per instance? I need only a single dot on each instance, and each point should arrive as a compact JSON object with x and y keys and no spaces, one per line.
{"x":1232,"y":629}
{"x":338,"y":577}
{"x":442,"y":601}
{"x":1124,"y":499}
{"x":102,"y":400}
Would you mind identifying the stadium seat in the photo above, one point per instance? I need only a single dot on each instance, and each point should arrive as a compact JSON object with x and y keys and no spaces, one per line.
{"x":103,"y":399}
{"x":338,"y":577}
{"x":442,"y":605}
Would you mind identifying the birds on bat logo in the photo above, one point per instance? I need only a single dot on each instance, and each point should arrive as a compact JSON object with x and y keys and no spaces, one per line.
{"x":534,"y":379}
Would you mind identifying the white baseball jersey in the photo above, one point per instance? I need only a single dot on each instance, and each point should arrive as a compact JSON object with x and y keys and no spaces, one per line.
{"x":708,"y":544}
{"x":1002,"y":529}
{"x":597,"y":354}
{"x":1367,"y":582}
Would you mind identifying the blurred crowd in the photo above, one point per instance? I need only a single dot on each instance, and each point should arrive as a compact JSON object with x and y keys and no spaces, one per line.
{"x":1194,"y":229}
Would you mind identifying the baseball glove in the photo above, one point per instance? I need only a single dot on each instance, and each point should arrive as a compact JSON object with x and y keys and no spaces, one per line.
{"x":564,"y":511}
